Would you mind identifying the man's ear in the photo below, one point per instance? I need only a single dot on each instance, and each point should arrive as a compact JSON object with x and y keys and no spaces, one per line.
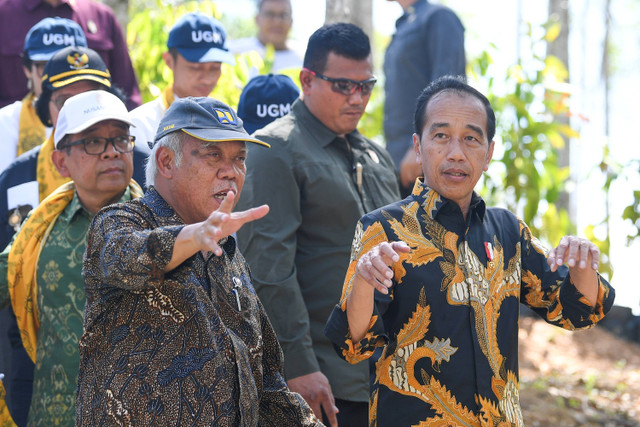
{"x":492,"y":145}
{"x":305,"y":81}
{"x":416,"y":148}
{"x":168,"y":59}
{"x":165,"y":161}
{"x":59,"y":158}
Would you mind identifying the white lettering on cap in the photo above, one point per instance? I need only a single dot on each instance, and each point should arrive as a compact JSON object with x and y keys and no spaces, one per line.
{"x":206,"y":36}
{"x":273,"y":110}
{"x":93,"y":109}
{"x":58,"y":39}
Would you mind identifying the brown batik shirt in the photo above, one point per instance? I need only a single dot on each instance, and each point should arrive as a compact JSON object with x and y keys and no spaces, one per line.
{"x":189,"y":347}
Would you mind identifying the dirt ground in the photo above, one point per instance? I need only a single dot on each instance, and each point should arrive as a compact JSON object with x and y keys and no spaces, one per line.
{"x":585,"y":378}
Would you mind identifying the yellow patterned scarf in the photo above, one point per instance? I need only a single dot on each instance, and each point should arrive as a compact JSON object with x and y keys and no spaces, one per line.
{"x":23,"y":261}
{"x":167,"y":96}
{"x":46,"y":173}
{"x":5,"y":416}
{"x":31,"y":131}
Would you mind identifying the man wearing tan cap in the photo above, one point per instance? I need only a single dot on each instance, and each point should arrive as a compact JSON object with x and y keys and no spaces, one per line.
{"x":44,"y":262}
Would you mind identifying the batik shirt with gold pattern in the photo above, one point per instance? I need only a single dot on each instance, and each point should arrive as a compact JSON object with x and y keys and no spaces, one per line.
{"x":191,"y":347}
{"x":61,"y":304}
{"x":443,"y":344}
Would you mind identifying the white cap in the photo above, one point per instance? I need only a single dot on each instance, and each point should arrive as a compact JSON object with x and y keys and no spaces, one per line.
{"x":86,"y":109}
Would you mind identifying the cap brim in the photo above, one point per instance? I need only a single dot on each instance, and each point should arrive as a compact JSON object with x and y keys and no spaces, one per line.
{"x":219,"y":135}
{"x":62,"y":83}
{"x":207,"y":55}
{"x":85,"y":125}
{"x":41,"y":56}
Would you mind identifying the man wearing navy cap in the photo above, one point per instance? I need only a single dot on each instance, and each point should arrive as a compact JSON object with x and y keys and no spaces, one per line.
{"x":266,"y":98}
{"x":22,"y":130}
{"x":174,"y":332}
{"x":196,"y":52}
{"x":99,"y":24}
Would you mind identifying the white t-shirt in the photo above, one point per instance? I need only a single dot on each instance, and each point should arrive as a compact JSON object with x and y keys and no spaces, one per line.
{"x":10,"y":125}
{"x":290,"y":58}
{"x":146,"y":119}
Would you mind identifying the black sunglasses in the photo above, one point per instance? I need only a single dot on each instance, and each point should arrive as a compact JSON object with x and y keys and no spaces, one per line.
{"x":347,"y":86}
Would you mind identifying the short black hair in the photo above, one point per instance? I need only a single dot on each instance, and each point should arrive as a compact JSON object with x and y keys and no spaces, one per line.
{"x":455,"y":84}
{"x":341,"y":38}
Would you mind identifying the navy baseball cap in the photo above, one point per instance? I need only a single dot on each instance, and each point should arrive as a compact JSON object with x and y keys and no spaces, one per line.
{"x":204,"y":118}
{"x":50,"y":35}
{"x":72,"y":64}
{"x":200,"y":38}
{"x":264,"y":99}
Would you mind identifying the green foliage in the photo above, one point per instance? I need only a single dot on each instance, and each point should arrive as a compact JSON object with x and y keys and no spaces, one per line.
{"x":525,"y":176}
{"x":147,"y":34}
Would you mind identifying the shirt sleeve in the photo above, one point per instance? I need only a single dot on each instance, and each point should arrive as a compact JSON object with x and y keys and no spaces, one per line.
{"x":552,"y":294}
{"x":444,"y":36}
{"x":279,"y":406}
{"x":269,"y":246}
{"x":126,"y":252}
{"x":368,"y":234}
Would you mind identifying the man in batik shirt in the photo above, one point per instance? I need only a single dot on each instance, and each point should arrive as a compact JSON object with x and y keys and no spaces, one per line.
{"x":433,"y":289}
{"x":40,"y":271}
{"x":174,"y":332}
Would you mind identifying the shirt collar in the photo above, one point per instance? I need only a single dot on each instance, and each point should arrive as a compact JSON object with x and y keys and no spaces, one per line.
{"x":410,"y":13}
{"x":76,"y":208}
{"x":316,"y":130}
{"x":32,"y":4}
{"x":432,"y":202}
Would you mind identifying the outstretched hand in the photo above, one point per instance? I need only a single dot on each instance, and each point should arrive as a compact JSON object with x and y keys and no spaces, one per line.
{"x":374,"y":266}
{"x":222,"y":223}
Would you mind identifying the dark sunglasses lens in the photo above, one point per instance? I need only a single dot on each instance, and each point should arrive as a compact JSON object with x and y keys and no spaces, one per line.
{"x":367,"y":88}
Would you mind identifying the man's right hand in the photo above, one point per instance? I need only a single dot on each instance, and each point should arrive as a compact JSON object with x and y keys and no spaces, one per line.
{"x":315,"y":389}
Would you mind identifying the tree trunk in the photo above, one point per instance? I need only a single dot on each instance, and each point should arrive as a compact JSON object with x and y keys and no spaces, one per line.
{"x":358,"y":12}
{"x":121,"y":10}
{"x":559,"y":12}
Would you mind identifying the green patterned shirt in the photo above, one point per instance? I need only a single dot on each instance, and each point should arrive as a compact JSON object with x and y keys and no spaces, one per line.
{"x":61,"y":303}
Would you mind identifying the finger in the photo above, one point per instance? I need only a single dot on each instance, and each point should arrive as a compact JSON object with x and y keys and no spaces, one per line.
{"x":250,"y":214}
{"x":367,"y":272}
{"x":315,"y":407}
{"x":227,"y":203}
{"x":595,"y":256}
{"x":388,"y":254}
{"x":330,"y":411}
{"x":561,"y":250}
{"x":583,"y":254}
{"x":400,"y":247}
{"x":573,"y":252}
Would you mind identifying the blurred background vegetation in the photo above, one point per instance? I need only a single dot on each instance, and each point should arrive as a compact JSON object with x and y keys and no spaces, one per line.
{"x":531,"y":102}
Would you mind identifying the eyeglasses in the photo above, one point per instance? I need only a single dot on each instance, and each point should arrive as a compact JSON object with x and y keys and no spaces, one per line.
{"x":347,"y":86}
{"x":272,"y":16}
{"x":96,"y":145}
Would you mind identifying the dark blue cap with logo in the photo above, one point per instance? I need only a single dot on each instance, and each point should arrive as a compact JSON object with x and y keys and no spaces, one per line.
{"x":72,"y":64}
{"x":265,"y":98}
{"x":50,"y":35}
{"x":203,"y":118}
{"x":200,"y":38}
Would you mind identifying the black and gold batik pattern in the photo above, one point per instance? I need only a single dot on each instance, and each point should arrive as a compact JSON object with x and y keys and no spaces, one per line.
{"x":189,"y":347}
{"x":443,"y":344}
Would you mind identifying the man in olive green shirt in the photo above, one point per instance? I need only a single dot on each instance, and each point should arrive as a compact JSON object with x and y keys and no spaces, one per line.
{"x":94,"y":149}
{"x":318,"y":179}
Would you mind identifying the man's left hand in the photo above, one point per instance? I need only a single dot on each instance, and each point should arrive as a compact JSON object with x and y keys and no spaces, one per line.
{"x":575,"y":252}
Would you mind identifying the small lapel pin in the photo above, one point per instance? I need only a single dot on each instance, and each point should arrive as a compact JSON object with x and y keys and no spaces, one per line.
{"x":489,"y":250}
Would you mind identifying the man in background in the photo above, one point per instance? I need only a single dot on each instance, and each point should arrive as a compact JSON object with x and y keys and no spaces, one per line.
{"x":22,"y":130}
{"x":197,"y":49}
{"x":274,"y":22}
{"x":319,"y":176}
{"x":428,"y":43}
{"x":99,"y":24}
{"x":41,"y":271}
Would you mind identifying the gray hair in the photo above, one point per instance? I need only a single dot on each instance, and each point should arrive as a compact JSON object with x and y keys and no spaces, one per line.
{"x":174,"y":142}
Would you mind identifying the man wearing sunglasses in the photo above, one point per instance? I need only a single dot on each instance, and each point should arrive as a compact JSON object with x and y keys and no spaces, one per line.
{"x":43,"y":264}
{"x":318,"y":177}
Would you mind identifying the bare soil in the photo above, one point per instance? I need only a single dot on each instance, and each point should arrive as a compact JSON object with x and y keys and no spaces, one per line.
{"x":583,"y":378}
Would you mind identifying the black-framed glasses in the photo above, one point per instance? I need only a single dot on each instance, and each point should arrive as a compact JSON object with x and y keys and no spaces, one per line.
{"x":347,"y":86}
{"x":96,"y":145}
